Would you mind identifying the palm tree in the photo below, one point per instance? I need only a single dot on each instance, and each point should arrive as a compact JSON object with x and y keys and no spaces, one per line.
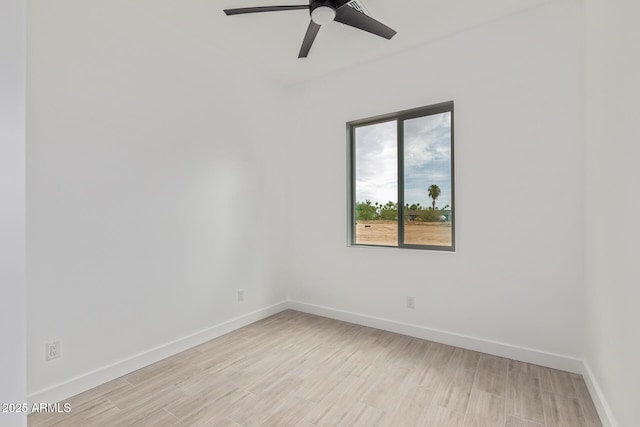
{"x":434,"y":193}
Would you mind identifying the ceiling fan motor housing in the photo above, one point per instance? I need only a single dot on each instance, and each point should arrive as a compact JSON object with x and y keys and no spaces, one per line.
{"x":323,"y":11}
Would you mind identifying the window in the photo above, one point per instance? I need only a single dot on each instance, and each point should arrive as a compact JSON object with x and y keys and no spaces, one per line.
{"x":401,"y":166}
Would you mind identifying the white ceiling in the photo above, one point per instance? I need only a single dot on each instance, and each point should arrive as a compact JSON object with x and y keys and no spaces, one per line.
{"x":269,"y":42}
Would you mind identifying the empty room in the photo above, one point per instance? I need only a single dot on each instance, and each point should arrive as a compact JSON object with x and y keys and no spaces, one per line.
{"x":319,"y":213}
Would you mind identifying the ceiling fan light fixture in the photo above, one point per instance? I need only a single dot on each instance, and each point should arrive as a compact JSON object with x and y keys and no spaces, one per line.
{"x":323,"y":15}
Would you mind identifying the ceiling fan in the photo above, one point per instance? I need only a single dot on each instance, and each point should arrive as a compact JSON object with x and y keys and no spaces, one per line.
{"x":324,"y":12}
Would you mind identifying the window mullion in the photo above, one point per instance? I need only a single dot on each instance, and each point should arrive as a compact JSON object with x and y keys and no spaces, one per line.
{"x":400,"y":151}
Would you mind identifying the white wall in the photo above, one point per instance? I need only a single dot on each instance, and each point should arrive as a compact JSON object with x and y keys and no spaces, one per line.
{"x":12,"y":209}
{"x":151,"y":161}
{"x":517,"y":276}
{"x":612,"y":91}
{"x":150,"y":164}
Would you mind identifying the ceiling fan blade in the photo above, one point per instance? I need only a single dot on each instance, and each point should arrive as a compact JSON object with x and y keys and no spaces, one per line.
{"x":265,"y":9}
{"x":349,"y":16}
{"x":312,"y":32}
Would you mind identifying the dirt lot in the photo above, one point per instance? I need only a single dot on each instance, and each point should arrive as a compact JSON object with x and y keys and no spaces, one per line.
{"x":417,"y":233}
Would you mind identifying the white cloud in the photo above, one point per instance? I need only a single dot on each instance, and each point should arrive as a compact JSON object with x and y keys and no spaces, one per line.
{"x":427,"y":139}
{"x":376,"y":168}
{"x":427,"y":151}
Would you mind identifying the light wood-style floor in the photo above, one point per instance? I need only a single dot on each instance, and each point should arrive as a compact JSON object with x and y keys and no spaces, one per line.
{"x":295,"y":369}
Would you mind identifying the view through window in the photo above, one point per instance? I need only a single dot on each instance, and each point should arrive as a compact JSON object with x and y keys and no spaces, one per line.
{"x":402,"y":167}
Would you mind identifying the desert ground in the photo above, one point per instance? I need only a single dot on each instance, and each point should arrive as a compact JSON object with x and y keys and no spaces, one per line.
{"x":417,"y":233}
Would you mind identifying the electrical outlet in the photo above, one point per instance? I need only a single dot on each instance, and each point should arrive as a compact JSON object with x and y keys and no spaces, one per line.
{"x":411,"y":303}
{"x":240,"y":295}
{"x":52,"y":350}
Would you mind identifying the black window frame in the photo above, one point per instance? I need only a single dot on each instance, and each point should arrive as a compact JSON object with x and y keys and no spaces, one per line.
{"x":400,"y":117}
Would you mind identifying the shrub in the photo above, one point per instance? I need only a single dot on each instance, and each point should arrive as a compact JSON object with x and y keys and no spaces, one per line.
{"x":430,"y":215}
{"x":365,"y":211}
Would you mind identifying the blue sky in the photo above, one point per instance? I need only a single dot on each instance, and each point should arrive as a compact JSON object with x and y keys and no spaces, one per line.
{"x":427,"y":160}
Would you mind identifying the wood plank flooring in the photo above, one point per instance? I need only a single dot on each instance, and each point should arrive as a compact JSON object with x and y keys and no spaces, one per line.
{"x":299,"y":370}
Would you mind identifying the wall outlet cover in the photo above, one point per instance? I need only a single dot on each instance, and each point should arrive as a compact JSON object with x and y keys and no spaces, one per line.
{"x":52,"y":350}
{"x":411,"y":303}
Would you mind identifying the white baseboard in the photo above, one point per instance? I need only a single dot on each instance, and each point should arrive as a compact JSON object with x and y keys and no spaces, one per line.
{"x":100,"y":376}
{"x":537,"y":357}
{"x":602,"y":406}
{"x":107,"y":373}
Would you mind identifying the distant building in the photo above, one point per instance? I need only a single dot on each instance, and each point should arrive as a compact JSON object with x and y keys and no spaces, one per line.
{"x":413,"y":214}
